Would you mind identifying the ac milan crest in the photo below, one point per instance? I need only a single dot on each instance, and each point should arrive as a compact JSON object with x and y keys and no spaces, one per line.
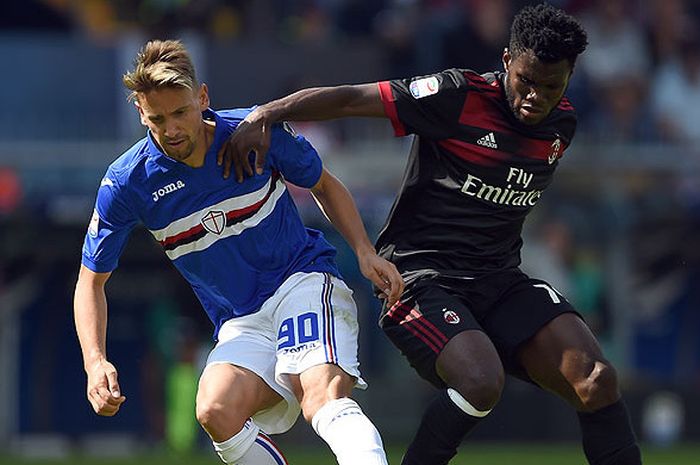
{"x":214,"y":221}
{"x":450,"y":316}
{"x":556,"y":150}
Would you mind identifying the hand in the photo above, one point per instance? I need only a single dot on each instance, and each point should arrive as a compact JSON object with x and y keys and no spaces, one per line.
{"x":253,"y":134}
{"x":103,"y":389}
{"x":383,"y":275}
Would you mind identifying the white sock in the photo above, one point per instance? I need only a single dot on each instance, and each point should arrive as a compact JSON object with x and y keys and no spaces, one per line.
{"x":250,"y":446}
{"x":349,"y":433}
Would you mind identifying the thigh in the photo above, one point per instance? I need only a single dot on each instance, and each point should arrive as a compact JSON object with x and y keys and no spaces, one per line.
{"x":248,"y":343}
{"x":563,"y":355}
{"x":527,"y":305}
{"x":422,"y":324}
{"x":236,"y":389}
{"x":316,"y":325}
{"x":320,"y":384}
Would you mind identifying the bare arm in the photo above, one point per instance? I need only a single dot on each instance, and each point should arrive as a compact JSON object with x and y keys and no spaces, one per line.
{"x":90,"y":313}
{"x":323,"y":103}
{"x":337,"y":204}
{"x":254,"y":133}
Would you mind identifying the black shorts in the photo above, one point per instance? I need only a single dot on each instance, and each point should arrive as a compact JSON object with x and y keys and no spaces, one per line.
{"x":509,"y":306}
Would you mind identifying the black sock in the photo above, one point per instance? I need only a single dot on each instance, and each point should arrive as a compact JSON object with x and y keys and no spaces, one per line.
{"x":608,"y":438}
{"x":441,"y":431}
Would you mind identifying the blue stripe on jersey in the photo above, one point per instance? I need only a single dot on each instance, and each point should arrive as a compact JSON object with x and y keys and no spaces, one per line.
{"x":235,"y":243}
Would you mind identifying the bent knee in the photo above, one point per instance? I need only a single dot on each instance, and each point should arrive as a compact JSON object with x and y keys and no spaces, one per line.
{"x":219,"y":420}
{"x":599,"y":389}
{"x":481,"y":388}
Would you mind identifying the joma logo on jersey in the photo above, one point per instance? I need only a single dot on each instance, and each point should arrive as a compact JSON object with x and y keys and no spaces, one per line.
{"x":167,"y":189}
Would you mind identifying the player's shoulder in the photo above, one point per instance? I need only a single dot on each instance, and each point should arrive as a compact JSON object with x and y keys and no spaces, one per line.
{"x":489,"y":83}
{"x":565,"y":111}
{"x":563,"y":119}
{"x":121,"y":169}
{"x":233,"y":116}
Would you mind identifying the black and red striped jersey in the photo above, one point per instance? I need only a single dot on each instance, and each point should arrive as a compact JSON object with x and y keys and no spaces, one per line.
{"x":473,"y":174}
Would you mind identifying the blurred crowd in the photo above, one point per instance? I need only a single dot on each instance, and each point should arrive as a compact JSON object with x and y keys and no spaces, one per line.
{"x":638,"y":82}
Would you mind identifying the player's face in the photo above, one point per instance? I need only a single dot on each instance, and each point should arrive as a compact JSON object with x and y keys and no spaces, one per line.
{"x":534,"y":88}
{"x":174,"y":116}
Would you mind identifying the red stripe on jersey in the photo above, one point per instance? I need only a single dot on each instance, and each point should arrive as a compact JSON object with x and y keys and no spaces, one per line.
{"x":565,"y":104}
{"x":486,"y":87}
{"x":390,"y":108}
{"x":183,"y":235}
{"x":475,"y":78}
{"x":479,"y":112}
{"x":477,"y":154}
{"x":232,"y":214}
{"x":542,"y":149}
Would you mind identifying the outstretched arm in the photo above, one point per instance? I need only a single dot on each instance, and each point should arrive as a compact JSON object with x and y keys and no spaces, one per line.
{"x":253,"y":134}
{"x":337,"y":204}
{"x":90,"y":312}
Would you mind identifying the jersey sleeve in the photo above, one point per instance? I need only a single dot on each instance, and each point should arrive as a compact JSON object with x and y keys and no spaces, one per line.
{"x":428,"y":106}
{"x":294,"y":157}
{"x":111,"y":223}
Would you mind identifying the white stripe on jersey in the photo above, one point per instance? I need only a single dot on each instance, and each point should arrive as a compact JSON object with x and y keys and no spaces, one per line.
{"x":235,"y":203}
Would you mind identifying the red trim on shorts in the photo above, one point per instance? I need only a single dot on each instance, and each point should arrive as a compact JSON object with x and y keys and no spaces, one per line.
{"x":418,"y":325}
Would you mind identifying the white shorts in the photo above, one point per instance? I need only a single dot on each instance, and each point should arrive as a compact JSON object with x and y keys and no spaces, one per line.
{"x":310,"y":320}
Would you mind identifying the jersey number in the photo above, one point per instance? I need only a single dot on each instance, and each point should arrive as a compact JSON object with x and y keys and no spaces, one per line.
{"x":550,"y":290}
{"x":306,"y":330}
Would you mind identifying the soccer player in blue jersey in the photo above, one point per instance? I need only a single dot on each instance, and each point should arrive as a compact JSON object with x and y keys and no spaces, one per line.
{"x":485,"y":148}
{"x":285,"y":322}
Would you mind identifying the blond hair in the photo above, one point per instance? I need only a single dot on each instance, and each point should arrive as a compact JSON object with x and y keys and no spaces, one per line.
{"x":160,"y":63}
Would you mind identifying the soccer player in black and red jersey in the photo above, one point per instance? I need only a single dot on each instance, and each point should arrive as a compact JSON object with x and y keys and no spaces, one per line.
{"x":485,"y":148}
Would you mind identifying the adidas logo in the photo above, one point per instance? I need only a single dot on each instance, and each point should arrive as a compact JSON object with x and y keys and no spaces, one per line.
{"x":489,"y":140}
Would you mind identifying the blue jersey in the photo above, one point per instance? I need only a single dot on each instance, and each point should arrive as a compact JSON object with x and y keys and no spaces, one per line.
{"x":235,"y":243}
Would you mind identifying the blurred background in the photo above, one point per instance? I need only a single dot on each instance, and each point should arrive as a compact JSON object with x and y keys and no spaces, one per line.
{"x":618,"y":232}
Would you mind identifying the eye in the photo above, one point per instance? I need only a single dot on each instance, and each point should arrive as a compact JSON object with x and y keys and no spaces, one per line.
{"x":525,"y":80}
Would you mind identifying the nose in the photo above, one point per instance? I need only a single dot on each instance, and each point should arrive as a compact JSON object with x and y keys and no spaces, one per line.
{"x":532,"y":95}
{"x":171,"y":130}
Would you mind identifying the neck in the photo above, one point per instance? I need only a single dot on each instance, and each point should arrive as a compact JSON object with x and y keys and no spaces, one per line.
{"x":205,"y":139}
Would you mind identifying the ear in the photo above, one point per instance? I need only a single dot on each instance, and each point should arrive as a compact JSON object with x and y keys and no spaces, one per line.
{"x":203,"y":97}
{"x":142,"y":117}
{"x":506,"y":59}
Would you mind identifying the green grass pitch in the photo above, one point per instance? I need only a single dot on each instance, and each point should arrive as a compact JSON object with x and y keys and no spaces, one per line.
{"x":470,"y":454}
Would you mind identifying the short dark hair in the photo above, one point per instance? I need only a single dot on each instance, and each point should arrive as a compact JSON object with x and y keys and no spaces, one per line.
{"x":549,"y":33}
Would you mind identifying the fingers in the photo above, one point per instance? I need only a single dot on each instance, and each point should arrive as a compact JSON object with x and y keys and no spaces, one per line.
{"x":396,"y":285}
{"x":392,"y":283}
{"x":259,"y":162}
{"x":104,"y":402}
{"x":104,"y":393}
{"x":262,"y":149}
{"x":113,"y":384}
{"x":220,"y":153}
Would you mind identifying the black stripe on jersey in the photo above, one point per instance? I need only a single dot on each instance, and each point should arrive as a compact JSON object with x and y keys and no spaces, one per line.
{"x":198,"y":233}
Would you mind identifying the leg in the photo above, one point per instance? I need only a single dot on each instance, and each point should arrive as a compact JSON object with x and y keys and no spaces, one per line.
{"x":565,"y":358}
{"x":324,"y":394}
{"x":317,"y":360}
{"x":471,"y":395}
{"x":228,"y":396}
{"x":452,"y":352}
